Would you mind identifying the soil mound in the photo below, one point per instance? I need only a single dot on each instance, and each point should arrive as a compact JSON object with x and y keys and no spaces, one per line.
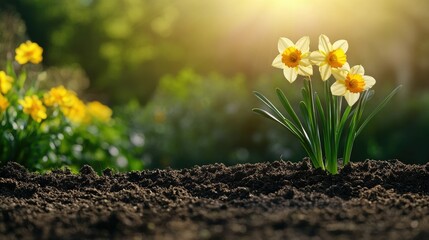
{"x":277,"y":200}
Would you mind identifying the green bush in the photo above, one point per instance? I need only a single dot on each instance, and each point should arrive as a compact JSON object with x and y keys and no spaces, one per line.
{"x":51,"y":129}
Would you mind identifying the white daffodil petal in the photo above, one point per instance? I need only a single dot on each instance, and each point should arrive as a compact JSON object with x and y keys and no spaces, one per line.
{"x":338,"y":88}
{"x":290,"y":74}
{"x":305,"y":62}
{"x":325,"y":72}
{"x":351,"y":98}
{"x":345,"y":67}
{"x":303,"y":44}
{"x":278,"y":62}
{"x":339,"y":74}
{"x":358,"y":69}
{"x":369,"y":82}
{"x":305,"y":70}
{"x":324,"y":44}
{"x":284,"y":43}
{"x":317,"y":58}
{"x":343,"y":44}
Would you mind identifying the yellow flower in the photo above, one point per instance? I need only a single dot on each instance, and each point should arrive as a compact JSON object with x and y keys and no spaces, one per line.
{"x":28,"y":52}
{"x":4,"y":103}
{"x":329,"y":56}
{"x":351,"y":82}
{"x":58,"y":96}
{"x":76,"y":111}
{"x":33,"y":107}
{"x":99,"y":111}
{"x":5,"y":82}
{"x":294,"y":58}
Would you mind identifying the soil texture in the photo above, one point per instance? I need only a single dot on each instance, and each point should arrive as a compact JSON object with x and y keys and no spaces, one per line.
{"x":276,"y":200}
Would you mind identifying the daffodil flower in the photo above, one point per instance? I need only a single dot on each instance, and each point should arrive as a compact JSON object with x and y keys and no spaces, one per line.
{"x":351,"y":82}
{"x":294,"y":58}
{"x":320,"y":130}
{"x":329,"y":56}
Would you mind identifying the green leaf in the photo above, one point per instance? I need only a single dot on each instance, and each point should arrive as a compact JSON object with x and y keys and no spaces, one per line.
{"x":288,"y":107}
{"x":378,"y":108}
{"x":269,"y":104}
{"x":269,"y":116}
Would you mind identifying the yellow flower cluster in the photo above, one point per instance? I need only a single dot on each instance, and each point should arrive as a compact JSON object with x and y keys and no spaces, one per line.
{"x":74,"y":108}
{"x":295,"y":59}
{"x":67,"y":101}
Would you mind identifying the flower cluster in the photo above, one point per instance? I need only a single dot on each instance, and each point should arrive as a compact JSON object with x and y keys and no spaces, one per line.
{"x":296,"y":59}
{"x":32,"y":118}
{"x":324,"y":125}
{"x":58,"y":97}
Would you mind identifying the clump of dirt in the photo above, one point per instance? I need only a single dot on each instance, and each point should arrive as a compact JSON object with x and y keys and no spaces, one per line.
{"x":278,"y":200}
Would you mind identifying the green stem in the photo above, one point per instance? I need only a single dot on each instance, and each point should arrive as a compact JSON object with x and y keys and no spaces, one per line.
{"x":331,"y":126}
{"x":314,"y":126}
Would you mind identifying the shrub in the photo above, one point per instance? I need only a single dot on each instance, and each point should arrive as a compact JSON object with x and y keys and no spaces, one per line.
{"x":43,"y":130}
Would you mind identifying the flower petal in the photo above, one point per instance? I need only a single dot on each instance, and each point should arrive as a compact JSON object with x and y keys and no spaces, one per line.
{"x":303,"y":44}
{"x":346,"y":67}
{"x":343,"y":44}
{"x":290,"y":74}
{"x":305,"y":70}
{"x":338,"y":88}
{"x":284,"y":43}
{"x":358,"y":69}
{"x":324,"y":44}
{"x":339,"y":74}
{"x":369,"y":82}
{"x":325,"y":72}
{"x":317,"y":58}
{"x":277,"y":62}
{"x":351,"y":98}
{"x":305,"y":62}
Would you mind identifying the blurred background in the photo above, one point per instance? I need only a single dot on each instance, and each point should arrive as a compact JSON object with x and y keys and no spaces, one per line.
{"x":180,"y":74}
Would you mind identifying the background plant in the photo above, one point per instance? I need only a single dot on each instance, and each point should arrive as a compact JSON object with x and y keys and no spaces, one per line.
{"x":50,"y":129}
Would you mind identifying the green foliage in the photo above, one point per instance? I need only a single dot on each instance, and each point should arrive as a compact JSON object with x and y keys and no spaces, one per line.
{"x":198,"y":120}
{"x":44,"y":130}
{"x":101,"y":145}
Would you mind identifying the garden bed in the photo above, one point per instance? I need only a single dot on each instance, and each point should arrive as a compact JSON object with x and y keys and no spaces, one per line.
{"x":278,"y":200}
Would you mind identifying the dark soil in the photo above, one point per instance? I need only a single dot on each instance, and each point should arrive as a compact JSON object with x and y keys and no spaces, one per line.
{"x":279,"y":200}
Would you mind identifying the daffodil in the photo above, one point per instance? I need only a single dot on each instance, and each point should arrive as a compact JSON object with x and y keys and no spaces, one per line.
{"x":329,"y":56}
{"x":5,"y":82}
{"x":99,"y":111}
{"x":294,"y":58}
{"x":320,"y":130}
{"x":351,"y":82}
{"x":28,"y":52}
{"x":4,"y":103}
{"x":33,"y":107}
